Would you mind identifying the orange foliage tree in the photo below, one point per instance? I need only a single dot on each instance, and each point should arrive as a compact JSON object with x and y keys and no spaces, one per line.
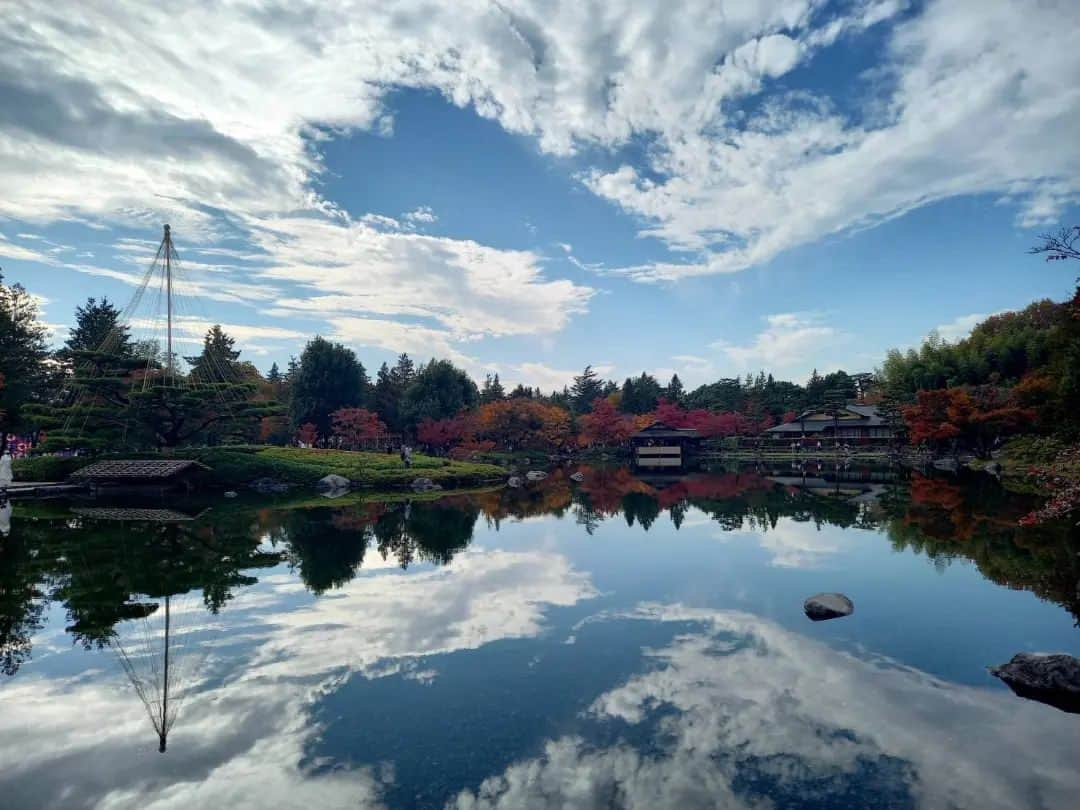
{"x":959,"y":416}
{"x":520,"y":424}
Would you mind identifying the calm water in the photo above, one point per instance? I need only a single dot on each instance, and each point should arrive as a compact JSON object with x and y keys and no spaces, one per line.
{"x":619,"y":642}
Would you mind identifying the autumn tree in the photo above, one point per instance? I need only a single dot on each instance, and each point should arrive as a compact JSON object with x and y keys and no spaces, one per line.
{"x":355,"y":426}
{"x":605,"y":424}
{"x":521,"y":424}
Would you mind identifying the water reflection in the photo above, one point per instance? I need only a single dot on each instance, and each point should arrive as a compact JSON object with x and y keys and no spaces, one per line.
{"x":738,"y":712}
{"x":107,"y":565}
{"x":569,"y":644}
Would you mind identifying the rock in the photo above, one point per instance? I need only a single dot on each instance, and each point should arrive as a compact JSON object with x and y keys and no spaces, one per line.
{"x":824,"y":606}
{"x":578,"y":477}
{"x":514,"y":481}
{"x":425,"y":485}
{"x":269,"y":486}
{"x":535,"y":475}
{"x":230,"y":493}
{"x":1050,"y":679}
{"x":332,"y":483}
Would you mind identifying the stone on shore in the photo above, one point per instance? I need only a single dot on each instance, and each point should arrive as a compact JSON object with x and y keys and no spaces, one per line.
{"x":332,"y":483}
{"x":1050,"y":679}
{"x":425,"y":485}
{"x":514,"y":482}
{"x":269,"y":486}
{"x":578,"y":477}
{"x":823,"y":606}
{"x":536,"y":475}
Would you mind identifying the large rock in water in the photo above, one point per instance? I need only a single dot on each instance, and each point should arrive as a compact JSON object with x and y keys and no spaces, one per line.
{"x":1050,"y":679}
{"x":577,"y":477}
{"x":824,"y":606}
{"x":535,"y":475}
{"x":331,"y":483}
{"x":514,"y":481}
{"x":425,"y":485}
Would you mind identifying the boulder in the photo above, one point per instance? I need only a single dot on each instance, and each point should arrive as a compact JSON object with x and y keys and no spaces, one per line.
{"x":824,"y":606}
{"x":230,"y":493}
{"x":535,"y":475}
{"x":269,"y":486}
{"x":1050,"y":679}
{"x":425,"y":485}
{"x":514,"y":481}
{"x":577,"y":477}
{"x":332,"y":483}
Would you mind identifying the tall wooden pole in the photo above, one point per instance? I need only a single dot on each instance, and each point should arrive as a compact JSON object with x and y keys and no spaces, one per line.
{"x":168,"y":301}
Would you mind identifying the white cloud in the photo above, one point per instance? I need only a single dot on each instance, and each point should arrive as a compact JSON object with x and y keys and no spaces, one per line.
{"x":421,"y":216}
{"x":789,"y":341}
{"x":546,"y":378}
{"x":184,"y":127}
{"x":960,"y":327}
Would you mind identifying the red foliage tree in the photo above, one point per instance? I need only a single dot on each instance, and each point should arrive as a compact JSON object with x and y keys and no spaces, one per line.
{"x":441,"y":434}
{"x":605,"y":425}
{"x":354,"y":426}
{"x":307,"y":434}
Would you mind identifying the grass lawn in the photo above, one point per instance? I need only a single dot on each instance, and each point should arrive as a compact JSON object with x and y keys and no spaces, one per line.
{"x":234,"y":466}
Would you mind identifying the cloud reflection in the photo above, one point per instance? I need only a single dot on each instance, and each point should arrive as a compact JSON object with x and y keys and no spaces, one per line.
{"x":740,"y":712}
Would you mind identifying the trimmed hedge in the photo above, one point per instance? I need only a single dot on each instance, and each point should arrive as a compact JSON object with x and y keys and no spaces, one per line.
{"x":235,"y":465}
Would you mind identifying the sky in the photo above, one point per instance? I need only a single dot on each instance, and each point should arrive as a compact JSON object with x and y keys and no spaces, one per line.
{"x":710,"y":187}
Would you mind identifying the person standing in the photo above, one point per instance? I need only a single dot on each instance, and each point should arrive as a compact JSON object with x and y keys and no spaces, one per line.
{"x":6,"y":475}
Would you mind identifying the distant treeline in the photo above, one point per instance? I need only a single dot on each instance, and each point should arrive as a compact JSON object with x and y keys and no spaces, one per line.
{"x":1016,"y":372}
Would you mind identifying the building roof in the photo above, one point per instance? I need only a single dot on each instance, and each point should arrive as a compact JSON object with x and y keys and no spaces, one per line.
{"x":136,"y":470}
{"x":661,"y":430}
{"x":817,"y":420}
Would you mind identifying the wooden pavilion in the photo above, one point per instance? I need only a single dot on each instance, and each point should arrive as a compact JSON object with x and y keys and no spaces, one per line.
{"x":660,"y":445}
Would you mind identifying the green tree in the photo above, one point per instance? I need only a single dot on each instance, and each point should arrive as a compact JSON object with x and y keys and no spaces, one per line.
{"x":216,"y":363}
{"x":440,"y":390}
{"x":675,"y":392}
{"x":23,"y":375}
{"x":98,"y":328}
{"x":492,"y":390}
{"x":586,"y":389}
{"x":328,"y":377}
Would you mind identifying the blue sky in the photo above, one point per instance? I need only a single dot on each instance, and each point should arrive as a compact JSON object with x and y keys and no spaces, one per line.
{"x":710,"y":188}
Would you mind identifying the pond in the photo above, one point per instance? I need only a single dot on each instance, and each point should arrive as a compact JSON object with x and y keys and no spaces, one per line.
{"x":614,"y":642}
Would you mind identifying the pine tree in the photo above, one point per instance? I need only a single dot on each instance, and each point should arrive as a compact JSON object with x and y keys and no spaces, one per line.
{"x":404,"y":371}
{"x":675,"y":391}
{"x":586,"y":389}
{"x":217,"y":361}
{"x":23,"y":377}
{"x":492,"y":390}
{"x":274,"y":374}
{"x":98,"y":328}
{"x":386,"y":397}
